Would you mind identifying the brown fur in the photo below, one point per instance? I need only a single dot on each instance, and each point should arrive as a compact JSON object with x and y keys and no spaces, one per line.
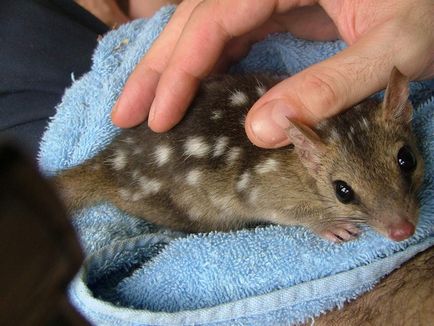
{"x":405,"y":297}
{"x":201,"y":188}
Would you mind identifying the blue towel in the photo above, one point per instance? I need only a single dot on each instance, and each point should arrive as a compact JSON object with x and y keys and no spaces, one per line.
{"x":138,"y":274}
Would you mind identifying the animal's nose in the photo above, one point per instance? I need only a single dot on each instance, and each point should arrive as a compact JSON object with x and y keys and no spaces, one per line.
{"x":401,"y":230}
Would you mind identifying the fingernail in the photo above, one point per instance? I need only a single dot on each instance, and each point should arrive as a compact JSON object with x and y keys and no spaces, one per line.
{"x":270,"y":123}
{"x":152,"y":112}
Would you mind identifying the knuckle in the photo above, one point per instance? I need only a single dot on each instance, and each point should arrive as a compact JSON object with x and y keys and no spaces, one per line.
{"x":324,"y":89}
{"x":151,"y":65}
{"x":187,"y":6}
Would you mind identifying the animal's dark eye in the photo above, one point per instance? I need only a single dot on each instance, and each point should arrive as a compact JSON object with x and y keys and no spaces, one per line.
{"x":344,"y":192}
{"x":406,"y":160}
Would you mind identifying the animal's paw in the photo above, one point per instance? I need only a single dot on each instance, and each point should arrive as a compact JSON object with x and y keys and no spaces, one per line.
{"x":340,"y":233}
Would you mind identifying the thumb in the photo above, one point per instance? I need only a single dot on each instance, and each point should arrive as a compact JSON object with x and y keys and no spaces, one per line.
{"x":318,"y":92}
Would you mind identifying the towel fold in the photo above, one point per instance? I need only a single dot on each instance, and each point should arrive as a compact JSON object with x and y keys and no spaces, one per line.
{"x":139,"y":274}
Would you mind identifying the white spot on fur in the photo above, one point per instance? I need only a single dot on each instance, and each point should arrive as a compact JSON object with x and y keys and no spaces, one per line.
{"x":149,"y":186}
{"x":96,"y":167}
{"x":365,"y":124}
{"x":124,"y":193}
{"x":238,"y":98}
{"x":275,"y":217}
{"x":269,"y":165}
{"x":352,"y":130}
{"x":253,"y":196}
{"x":138,"y":150}
{"x":128,"y":140}
{"x":216,"y":115}
{"x":193,"y":177}
{"x":135,"y":175}
{"x":119,"y":160}
{"x":334,"y":135}
{"x":196,"y":146}
{"x":357,"y":107}
{"x":220,"y":146}
{"x":136,"y":196}
{"x":162,"y":154}
{"x":233,"y":154}
{"x":243,"y":120}
{"x":260,"y":90}
{"x":194,"y":214}
{"x":243,"y":182}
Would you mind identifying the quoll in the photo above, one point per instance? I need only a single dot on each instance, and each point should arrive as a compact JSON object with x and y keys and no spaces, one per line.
{"x":362,"y":166}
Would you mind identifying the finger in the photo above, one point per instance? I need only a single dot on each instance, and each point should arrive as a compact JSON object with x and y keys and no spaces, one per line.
{"x":107,"y":11}
{"x":211,"y":26}
{"x":134,"y":103}
{"x":137,"y":9}
{"x":309,"y":23}
{"x":322,"y":90}
{"x":237,"y":48}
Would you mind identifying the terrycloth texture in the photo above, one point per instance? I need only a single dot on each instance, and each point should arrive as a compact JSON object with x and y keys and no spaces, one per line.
{"x":139,"y":274}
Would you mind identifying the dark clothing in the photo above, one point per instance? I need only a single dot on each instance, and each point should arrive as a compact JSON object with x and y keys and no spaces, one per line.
{"x":42,"y":43}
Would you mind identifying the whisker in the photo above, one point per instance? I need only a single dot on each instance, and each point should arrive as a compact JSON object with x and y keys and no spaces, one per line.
{"x":339,"y":220}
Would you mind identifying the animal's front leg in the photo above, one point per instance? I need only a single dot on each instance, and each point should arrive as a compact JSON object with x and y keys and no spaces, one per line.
{"x":315,"y":218}
{"x":339,"y":232}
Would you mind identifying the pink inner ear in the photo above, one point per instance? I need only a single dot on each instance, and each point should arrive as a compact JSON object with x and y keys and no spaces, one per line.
{"x":308,"y":145}
{"x":396,"y":105}
{"x":303,"y":137}
{"x":297,"y":138}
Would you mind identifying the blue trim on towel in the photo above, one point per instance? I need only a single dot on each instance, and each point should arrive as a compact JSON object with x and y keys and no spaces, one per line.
{"x":257,"y":309}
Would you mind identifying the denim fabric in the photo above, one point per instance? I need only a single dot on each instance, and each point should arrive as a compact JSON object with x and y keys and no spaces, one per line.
{"x":43,"y":43}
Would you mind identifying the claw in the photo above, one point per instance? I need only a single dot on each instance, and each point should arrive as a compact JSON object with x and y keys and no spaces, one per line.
{"x":340,"y":233}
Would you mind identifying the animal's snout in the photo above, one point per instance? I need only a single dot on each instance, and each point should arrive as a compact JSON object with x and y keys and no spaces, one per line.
{"x":401,"y":231}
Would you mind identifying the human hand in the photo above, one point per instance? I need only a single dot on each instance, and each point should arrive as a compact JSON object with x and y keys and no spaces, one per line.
{"x":205,"y":36}
{"x":107,"y":11}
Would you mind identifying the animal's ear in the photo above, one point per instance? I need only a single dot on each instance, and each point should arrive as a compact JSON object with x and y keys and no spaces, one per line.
{"x":308,"y":145}
{"x":396,"y":106}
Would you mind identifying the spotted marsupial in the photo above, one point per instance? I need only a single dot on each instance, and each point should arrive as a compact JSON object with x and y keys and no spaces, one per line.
{"x":362,"y":166}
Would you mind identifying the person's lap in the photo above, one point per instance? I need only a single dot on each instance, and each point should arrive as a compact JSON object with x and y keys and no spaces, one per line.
{"x":44,"y":43}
